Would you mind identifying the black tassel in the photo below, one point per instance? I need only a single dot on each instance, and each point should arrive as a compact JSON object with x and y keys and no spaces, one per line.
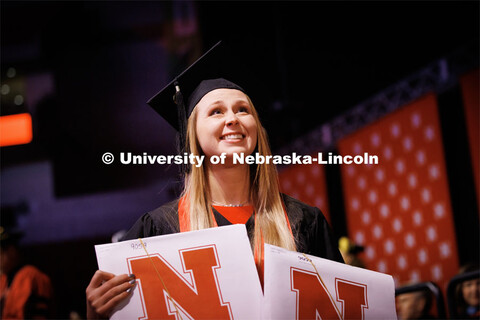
{"x":182,"y":126}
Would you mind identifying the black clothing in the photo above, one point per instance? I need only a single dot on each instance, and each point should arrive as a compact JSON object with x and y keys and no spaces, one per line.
{"x":311,"y":231}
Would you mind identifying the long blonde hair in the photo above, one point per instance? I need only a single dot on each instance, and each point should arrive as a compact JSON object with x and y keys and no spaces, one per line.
{"x":270,"y":220}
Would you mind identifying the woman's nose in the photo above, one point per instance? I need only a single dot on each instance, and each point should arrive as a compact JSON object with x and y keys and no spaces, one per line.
{"x":231,"y":119}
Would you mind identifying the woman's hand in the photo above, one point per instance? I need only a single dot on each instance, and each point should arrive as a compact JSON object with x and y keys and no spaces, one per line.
{"x":105,"y":291}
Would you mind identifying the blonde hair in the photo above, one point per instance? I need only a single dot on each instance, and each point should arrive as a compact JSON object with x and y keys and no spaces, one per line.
{"x":270,"y":220}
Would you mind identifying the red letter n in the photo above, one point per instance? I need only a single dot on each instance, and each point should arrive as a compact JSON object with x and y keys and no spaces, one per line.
{"x":313,"y":300}
{"x":198,"y":298}
{"x":353,"y":297}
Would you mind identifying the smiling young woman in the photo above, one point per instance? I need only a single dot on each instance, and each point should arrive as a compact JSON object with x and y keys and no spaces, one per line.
{"x":220,"y":117}
{"x":223,"y":112}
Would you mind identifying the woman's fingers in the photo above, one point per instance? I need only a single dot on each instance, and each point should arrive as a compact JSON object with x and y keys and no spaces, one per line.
{"x":113,"y":287}
{"x":115,"y":296}
{"x":105,"y":291}
{"x":100,"y":277}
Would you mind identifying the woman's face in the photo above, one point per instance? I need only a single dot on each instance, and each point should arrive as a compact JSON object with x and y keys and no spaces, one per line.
{"x":471,"y":292}
{"x":225,"y":123}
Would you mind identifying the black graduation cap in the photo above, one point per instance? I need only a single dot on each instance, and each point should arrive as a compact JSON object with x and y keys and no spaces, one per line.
{"x":222,"y":66}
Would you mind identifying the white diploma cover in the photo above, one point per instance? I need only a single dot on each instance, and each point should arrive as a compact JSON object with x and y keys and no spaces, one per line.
{"x":211,"y":274}
{"x":205,"y":274}
{"x":299,"y":286}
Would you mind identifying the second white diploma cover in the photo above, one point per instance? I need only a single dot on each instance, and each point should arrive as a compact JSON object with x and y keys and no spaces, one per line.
{"x":299,"y":286}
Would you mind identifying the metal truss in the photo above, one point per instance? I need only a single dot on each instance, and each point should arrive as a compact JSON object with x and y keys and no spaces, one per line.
{"x":437,"y":77}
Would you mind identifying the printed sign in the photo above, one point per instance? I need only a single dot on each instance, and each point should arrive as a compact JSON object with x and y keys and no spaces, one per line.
{"x":211,"y":274}
{"x":299,"y":286}
{"x":206,"y":274}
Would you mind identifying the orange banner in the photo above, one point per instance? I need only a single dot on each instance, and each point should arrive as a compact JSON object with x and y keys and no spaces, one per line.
{"x":306,"y":183}
{"x":400,"y":209}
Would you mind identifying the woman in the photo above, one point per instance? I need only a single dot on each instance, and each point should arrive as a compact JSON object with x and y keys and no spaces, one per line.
{"x":467,"y":294}
{"x":222,"y":120}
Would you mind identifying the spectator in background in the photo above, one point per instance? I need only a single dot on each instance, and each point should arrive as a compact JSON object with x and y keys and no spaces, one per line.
{"x":350,"y":252}
{"x":414,"y":305}
{"x":25,"y":292}
{"x":468,"y":295}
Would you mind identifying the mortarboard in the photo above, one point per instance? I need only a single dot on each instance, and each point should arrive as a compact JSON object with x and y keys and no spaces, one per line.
{"x":221,"y":66}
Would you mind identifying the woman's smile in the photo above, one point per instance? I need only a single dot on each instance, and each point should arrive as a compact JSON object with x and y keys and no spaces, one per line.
{"x":232,"y":137}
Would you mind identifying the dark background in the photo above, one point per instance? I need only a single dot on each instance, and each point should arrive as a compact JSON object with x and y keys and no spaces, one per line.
{"x":316,"y":59}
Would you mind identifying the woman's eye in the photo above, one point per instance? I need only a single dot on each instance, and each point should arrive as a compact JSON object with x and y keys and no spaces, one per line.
{"x":215,"y":111}
{"x":243,"y":109}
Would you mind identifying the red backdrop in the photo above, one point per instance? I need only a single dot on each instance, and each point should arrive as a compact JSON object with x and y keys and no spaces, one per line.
{"x":400,"y":209}
{"x":306,"y":183}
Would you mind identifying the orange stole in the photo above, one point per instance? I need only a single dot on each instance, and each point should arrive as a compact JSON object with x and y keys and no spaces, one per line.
{"x":236,"y":215}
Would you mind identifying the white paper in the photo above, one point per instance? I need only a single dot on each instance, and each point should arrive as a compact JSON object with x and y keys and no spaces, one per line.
{"x":295,"y":289}
{"x":211,"y":274}
{"x":231,"y":284}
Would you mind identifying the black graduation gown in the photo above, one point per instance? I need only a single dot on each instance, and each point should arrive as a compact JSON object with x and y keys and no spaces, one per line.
{"x":312,"y":233}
